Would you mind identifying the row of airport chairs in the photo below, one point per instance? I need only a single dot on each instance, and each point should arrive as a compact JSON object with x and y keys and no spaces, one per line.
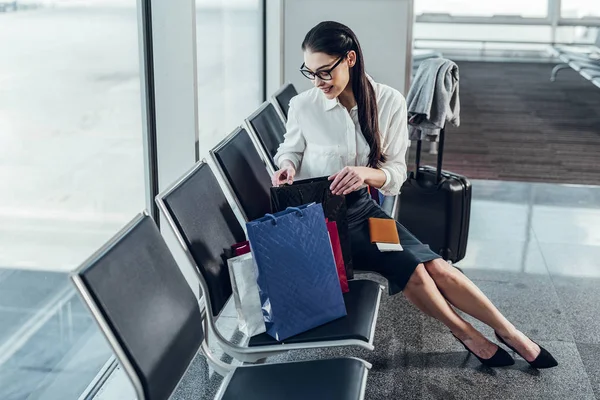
{"x":151,"y":317}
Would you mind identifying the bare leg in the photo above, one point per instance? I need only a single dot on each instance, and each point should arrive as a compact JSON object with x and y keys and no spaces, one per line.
{"x":462,"y":293}
{"x":422,"y":291}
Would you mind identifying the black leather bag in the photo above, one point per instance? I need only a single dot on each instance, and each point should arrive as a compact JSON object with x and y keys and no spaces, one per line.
{"x":334,"y":207}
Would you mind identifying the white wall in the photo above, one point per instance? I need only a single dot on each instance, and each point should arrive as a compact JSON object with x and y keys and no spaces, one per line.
{"x":383,"y":27}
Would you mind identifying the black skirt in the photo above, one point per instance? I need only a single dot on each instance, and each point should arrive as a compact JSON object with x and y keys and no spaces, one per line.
{"x":396,"y":266}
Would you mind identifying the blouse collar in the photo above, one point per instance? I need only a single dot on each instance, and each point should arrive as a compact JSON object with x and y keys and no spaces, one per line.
{"x":329,"y":104}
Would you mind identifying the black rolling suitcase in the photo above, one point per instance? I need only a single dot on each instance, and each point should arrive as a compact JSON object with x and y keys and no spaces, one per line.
{"x":435,"y":206}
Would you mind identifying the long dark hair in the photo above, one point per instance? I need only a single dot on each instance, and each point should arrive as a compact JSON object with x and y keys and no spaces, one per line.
{"x":337,"y":40}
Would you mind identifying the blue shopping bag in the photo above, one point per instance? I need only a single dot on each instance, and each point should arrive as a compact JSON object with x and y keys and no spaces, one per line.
{"x":297,"y":277}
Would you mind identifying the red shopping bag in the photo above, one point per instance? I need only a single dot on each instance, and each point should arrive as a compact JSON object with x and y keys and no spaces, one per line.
{"x":241,"y":248}
{"x":337,"y":254}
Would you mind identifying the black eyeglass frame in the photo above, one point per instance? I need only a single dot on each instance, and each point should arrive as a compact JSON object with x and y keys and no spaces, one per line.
{"x":312,"y":75}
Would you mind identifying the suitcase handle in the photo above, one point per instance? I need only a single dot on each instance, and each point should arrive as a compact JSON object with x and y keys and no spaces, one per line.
{"x":440,"y":156}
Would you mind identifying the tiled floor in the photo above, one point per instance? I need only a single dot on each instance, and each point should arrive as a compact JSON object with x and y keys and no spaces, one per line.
{"x":517,"y":126}
{"x":532,"y":251}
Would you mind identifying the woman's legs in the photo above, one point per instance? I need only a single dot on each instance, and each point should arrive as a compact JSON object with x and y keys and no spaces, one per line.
{"x":464,"y":295}
{"x":423,"y":292}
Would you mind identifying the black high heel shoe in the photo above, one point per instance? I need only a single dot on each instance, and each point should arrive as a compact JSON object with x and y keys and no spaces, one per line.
{"x":543,"y":360}
{"x":500,"y":359}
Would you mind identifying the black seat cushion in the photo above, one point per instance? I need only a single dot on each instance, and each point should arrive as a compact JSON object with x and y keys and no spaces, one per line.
{"x":209,"y":228}
{"x":283,"y":98}
{"x":335,"y":379}
{"x":270,"y":130}
{"x":361,"y":307}
{"x":246,"y":173}
{"x":148,"y":305}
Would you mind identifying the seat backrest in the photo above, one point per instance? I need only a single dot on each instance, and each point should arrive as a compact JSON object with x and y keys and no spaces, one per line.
{"x":283,"y":97}
{"x":245,"y":172}
{"x":144,"y":306}
{"x":269,"y":129}
{"x":208,"y":227}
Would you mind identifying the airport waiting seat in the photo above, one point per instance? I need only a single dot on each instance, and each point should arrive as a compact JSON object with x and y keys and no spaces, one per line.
{"x":153,"y":322}
{"x":206,"y":227}
{"x":281,"y":99}
{"x":268,"y":129}
{"x":240,"y":164}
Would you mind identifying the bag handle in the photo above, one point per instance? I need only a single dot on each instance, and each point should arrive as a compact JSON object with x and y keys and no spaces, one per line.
{"x":440,"y":156}
{"x":299,"y":211}
{"x":274,"y":220}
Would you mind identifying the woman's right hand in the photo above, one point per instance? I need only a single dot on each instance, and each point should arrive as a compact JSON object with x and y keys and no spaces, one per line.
{"x":285,"y":175}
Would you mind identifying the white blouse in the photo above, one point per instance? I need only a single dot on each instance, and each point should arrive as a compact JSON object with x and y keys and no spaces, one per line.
{"x":323,"y":137}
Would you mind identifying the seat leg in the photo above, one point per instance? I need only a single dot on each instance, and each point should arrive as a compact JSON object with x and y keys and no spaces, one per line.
{"x":556,"y":69}
{"x":219,"y":366}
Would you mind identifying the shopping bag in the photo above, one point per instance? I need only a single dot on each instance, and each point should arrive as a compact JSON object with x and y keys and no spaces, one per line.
{"x":241,"y":248}
{"x":337,"y":255}
{"x":334,"y":207}
{"x":242,"y":272}
{"x":297,"y":278}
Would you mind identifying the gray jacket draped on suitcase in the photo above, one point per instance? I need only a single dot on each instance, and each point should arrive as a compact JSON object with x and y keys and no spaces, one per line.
{"x":433,"y":99}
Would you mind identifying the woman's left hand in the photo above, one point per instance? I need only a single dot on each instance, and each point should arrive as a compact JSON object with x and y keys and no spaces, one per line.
{"x":348,"y":180}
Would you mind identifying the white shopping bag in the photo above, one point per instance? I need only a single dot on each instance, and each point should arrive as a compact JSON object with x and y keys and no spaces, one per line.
{"x":242,"y":271}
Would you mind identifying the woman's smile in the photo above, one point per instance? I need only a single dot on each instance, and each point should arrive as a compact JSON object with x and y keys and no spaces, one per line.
{"x":327,"y":89}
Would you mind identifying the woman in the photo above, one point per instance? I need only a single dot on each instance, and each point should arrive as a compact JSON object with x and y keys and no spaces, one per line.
{"x":354,"y":130}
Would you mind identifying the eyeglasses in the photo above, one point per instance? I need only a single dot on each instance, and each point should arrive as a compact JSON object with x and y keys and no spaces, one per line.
{"x":324,"y":75}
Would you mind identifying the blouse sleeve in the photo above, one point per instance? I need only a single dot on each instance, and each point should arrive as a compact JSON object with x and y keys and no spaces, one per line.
{"x":395,"y":144}
{"x":293,"y":144}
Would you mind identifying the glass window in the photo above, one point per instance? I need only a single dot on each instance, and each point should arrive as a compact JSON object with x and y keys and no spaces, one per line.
{"x":479,"y":40}
{"x":531,"y":9}
{"x":71,"y":173}
{"x":482,"y":32}
{"x":579,"y":8}
{"x":576,"y":34}
{"x":229,"y":58}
